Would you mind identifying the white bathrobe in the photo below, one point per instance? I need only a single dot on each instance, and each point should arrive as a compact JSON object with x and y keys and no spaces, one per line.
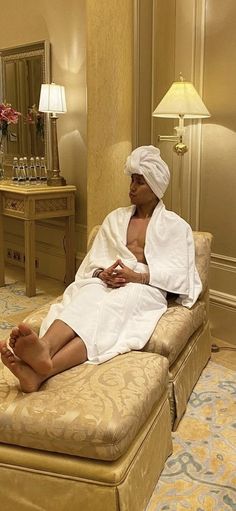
{"x":112,"y":321}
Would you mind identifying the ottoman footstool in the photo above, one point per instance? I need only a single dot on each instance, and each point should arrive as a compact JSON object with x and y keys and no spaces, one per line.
{"x":93,"y":437}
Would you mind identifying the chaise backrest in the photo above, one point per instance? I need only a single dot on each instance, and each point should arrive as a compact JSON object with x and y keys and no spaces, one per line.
{"x":203,"y":241}
{"x":92,"y":236}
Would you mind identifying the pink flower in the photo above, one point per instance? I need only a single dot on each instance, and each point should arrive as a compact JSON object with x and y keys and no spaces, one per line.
{"x":8,"y":114}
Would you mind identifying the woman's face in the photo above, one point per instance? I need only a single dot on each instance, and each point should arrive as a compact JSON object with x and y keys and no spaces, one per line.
{"x":140,"y":192}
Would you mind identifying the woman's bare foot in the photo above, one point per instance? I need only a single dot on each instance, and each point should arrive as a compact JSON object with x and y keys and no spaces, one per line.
{"x":26,"y":345}
{"x":29,"y":380}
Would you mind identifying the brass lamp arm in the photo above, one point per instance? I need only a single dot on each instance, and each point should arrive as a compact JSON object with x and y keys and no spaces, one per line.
{"x":168,"y":138}
{"x":180,"y":148}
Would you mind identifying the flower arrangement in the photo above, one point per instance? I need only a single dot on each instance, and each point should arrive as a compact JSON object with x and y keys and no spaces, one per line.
{"x":36,"y":118}
{"x":8,"y":115}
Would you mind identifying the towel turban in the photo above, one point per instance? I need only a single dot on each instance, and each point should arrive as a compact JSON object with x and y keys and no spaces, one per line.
{"x":146,"y":160}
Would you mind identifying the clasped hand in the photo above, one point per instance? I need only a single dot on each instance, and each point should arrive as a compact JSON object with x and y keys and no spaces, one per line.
{"x":117,"y":275}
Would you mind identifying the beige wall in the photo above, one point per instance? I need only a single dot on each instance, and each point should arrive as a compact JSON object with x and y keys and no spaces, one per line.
{"x":198,"y":38}
{"x":142,"y":71}
{"x":218,"y":176}
{"x":109,"y":62}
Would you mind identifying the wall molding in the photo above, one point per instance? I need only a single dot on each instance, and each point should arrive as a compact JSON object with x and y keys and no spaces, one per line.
{"x":223,"y":281}
{"x":192,"y":67}
{"x":136,"y":72}
{"x":222,"y":262}
{"x":222,"y":299}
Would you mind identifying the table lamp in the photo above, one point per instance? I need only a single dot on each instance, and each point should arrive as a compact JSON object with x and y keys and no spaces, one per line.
{"x":183,"y":102}
{"x":52,"y":100}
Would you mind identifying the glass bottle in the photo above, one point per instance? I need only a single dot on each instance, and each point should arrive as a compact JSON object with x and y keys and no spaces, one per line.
{"x":32,"y":172}
{"x":43,"y":176}
{"x":21,"y":172}
{"x":26,"y":168}
{"x":37,"y":168}
{"x":15,"y":169}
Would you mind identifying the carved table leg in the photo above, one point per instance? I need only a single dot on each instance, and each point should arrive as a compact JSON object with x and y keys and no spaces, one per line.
{"x":30,"y":257}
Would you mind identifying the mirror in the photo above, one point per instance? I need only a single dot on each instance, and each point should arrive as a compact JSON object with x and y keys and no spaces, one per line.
{"x":23,"y":70}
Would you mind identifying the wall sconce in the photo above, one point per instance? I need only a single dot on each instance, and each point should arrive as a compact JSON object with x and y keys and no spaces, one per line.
{"x":183,"y":102}
{"x":52,"y":100}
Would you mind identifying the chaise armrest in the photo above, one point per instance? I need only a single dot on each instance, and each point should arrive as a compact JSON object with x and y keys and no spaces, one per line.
{"x":175,"y":328}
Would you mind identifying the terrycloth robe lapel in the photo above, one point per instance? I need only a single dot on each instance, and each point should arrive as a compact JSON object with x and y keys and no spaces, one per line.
{"x":109,"y":244}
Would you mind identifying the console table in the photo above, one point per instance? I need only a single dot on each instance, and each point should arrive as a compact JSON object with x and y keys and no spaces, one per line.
{"x":36,"y":202}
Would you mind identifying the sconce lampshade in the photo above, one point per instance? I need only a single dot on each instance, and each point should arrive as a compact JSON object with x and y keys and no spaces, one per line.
{"x":182,"y":100}
{"x":52,"y":98}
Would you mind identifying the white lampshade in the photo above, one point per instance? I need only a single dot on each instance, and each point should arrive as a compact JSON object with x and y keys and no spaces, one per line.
{"x":52,"y":98}
{"x":182,"y":100}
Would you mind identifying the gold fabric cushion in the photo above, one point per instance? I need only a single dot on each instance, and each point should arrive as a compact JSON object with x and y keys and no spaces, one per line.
{"x":34,"y":319}
{"x":92,"y":411}
{"x":174,"y":329}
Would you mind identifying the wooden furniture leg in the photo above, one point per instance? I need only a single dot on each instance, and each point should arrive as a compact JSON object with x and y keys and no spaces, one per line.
{"x":30,"y":257}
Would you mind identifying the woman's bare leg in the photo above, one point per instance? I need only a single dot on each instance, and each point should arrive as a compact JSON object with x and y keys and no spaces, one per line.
{"x":72,"y":354}
{"x":38,"y":353}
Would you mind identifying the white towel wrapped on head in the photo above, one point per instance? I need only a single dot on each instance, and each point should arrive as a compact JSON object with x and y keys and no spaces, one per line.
{"x":146,"y":160}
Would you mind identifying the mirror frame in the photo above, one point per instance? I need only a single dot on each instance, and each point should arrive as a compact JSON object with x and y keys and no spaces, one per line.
{"x":25,"y":51}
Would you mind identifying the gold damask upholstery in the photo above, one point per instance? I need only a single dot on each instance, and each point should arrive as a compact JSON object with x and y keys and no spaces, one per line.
{"x":203,"y":241}
{"x":35,"y":319}
{"x":91,"y":411}
{"x":93,"y":437}
{"x":174,"y":329}
{"x":46,"y":481}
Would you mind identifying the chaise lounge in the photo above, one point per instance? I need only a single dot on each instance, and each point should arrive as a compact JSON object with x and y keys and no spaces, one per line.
{"x":97,"y":437}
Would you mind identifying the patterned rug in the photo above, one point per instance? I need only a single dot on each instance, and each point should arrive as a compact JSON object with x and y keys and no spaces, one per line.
{"x":201,"y":473}
{"x":15,"y":305}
